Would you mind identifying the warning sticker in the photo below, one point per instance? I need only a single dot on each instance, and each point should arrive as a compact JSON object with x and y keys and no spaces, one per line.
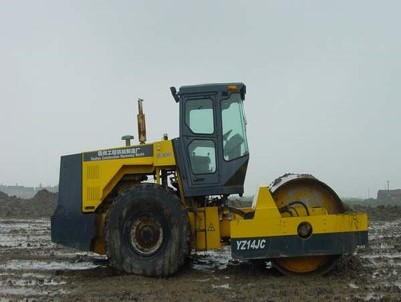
{"x":211,"y":228}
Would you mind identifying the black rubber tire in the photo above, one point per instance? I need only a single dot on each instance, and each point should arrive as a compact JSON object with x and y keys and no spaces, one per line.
{"x":162,"y":223}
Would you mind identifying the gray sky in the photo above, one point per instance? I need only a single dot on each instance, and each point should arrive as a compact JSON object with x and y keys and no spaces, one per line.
{"x":323,"y":82}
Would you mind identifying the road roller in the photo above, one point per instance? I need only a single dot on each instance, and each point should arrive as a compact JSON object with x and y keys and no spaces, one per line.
{"x":149,"y":205}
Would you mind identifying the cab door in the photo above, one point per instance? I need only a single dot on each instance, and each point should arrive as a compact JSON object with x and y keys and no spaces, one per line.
{"x":199,"y":139}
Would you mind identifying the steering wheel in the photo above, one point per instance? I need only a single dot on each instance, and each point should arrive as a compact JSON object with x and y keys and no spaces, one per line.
{"x":232,"y":148}
{"x":227,"y":134}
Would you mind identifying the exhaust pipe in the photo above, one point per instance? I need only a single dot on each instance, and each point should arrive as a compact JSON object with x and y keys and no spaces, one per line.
{"x":141,"y":123}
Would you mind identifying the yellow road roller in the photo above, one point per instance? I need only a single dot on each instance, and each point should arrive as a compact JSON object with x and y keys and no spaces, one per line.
{"x":148,"y":205}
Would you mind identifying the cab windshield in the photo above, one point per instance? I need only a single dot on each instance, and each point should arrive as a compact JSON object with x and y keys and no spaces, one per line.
{"x":235,"y":143}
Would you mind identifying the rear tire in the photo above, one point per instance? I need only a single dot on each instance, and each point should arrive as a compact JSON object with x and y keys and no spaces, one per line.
{"x":147,"y":232}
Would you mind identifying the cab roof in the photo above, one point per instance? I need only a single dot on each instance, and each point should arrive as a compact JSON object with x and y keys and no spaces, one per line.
{"x":214,"y":87}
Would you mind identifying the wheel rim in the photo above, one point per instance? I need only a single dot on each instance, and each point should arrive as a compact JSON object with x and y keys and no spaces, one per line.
{"x":306,"y":265}
{"x":146,"y":235}
{"x":313,"y":193}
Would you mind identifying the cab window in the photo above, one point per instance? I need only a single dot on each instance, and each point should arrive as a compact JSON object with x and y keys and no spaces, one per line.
{"x":202,"y":154}
{"x":199,"y":116}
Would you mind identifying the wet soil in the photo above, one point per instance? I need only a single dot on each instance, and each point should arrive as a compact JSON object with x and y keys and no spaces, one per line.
{"x":32,"y":268}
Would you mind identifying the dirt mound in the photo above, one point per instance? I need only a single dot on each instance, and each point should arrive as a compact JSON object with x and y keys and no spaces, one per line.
{"x":381,"y":212}
{"x":3,"y":195}
{"x":41,"y":205}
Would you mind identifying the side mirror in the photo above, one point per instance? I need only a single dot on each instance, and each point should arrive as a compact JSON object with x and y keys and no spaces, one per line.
{"x":174,"y":93}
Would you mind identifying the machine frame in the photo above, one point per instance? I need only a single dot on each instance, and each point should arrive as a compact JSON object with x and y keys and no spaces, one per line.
{"x":201,"y":168}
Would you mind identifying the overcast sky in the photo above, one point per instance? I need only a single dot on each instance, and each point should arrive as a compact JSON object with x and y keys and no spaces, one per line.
{"x":323,"y":82}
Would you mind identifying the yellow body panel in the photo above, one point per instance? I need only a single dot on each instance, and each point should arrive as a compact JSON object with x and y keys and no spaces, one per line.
{"x":103,"y":169}
{"x":321,"y":224}
{"x":225,"y":228}
{"x":98,"y":241}
{"x":205,"y":228}
{"x":268,"y":222}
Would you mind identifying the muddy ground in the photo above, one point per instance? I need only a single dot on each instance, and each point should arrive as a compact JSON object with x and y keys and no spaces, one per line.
{"x":32,"y":268}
